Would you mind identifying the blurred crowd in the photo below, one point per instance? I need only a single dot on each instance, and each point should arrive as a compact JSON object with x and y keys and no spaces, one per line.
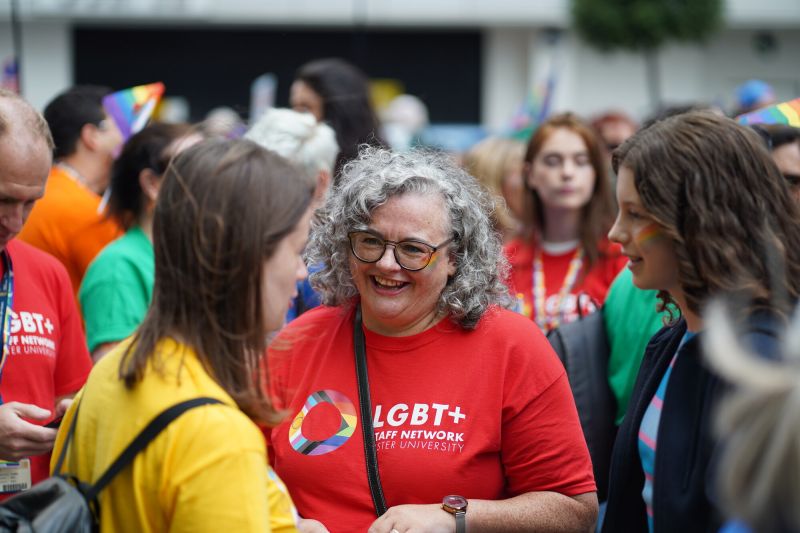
{"x":589,"y":329}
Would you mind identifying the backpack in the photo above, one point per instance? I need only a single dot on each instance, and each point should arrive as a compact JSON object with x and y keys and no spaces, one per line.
{"x":63,"y":503}
{"x":582,"y":347}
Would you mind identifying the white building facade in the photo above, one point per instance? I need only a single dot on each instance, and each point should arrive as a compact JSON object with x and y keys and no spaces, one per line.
{"x":761,"y":39}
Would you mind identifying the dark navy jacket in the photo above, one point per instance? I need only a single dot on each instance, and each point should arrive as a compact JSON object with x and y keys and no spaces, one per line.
{"x":683,"y":481}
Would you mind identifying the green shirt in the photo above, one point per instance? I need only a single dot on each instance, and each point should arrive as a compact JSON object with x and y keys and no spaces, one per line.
{"x":631,"y":320}
{"x":117,"y":288}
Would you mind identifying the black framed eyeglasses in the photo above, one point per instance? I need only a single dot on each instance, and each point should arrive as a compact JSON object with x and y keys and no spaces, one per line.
{"x":410,"y":254}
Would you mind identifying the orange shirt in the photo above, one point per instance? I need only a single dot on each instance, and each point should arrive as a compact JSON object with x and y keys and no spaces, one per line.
{"x":65,"y":223}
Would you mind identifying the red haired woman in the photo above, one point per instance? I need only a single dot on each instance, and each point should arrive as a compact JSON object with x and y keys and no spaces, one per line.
{"x":563,"y":265}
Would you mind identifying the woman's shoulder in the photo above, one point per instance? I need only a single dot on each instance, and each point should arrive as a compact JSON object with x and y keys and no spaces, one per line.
{"x":222,"y":425}
{"x":668,"y":334}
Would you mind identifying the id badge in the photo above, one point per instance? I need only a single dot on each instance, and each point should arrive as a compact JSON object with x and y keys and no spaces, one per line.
{"x":15,"y":476}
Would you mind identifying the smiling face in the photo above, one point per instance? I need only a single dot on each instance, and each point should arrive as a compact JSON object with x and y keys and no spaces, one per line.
{"x":394,"y":301}
{"x":651,"y":252}
{"x":562,"y":173}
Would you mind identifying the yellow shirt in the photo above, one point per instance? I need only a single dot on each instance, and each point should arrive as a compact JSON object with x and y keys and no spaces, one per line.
{"x":207,"y":471}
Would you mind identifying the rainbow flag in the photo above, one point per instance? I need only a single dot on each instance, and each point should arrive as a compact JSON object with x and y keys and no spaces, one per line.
{"x":132,"y":108}
{"x":786,"y":113}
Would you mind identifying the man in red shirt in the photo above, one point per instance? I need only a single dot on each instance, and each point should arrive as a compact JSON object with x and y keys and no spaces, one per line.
{"x":44,"y":356}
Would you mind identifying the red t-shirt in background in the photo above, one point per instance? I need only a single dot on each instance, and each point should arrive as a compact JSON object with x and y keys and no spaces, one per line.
{"x":486,"y":414}
{"x":592,"y":287}
{"x":47,"y":357}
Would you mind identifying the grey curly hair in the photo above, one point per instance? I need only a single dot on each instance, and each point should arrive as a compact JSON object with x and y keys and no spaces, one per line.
{"x":369,"y":182}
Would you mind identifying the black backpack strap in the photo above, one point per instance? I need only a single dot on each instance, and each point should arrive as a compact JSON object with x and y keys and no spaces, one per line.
{"x":142,"y":440}
{"x":67,"y":440}
{"x":365,"y":406}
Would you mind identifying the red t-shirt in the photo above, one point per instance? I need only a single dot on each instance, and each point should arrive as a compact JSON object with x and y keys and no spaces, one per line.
{"x":47,"y":357}
{"x":590,"y":288}
{"x":485,"y":414}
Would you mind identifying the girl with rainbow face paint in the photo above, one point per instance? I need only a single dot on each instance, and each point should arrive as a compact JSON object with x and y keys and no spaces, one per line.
{"x":650,"y":253}
{"x":704,"y":213}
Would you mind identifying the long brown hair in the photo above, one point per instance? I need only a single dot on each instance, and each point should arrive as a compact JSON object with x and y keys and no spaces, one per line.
{"x":222,"y":210}
{"x":713,"y":187}
{"x":598,"y":214}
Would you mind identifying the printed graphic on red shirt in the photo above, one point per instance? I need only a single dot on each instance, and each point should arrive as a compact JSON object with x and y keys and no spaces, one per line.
{"x":419,"y":426}
{"x":32,"y":334}
{"x":402,"y":426}
{"x":345,"y":422}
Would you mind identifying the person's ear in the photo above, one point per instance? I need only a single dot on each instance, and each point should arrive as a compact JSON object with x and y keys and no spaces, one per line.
{"x":451,"y":263}
{"x":323,"y":182}
{"x":150,"y":182}
{"x":90,"y":136}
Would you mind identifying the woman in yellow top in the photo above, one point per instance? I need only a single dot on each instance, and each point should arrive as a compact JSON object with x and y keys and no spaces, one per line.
{"x":230,"y":224}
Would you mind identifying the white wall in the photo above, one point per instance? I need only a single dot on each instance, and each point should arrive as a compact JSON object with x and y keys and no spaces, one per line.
{"x":589,"y":82}
{"x":514,"y":52}
{"x":518,"y":13}
{"x":46,"y":58}
{"x":732,"y":59}
{"x":505,"y":74}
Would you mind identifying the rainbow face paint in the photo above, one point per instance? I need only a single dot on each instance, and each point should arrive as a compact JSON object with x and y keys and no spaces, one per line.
{"x":649,"y":234}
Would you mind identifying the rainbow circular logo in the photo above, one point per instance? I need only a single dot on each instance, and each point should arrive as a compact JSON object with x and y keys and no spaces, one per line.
{"x":347,"y":425}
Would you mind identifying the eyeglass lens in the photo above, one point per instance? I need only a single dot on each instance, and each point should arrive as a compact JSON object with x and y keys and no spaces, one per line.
{"x":410,"y":255}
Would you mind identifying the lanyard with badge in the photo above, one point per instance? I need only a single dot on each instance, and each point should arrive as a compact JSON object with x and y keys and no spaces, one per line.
{"x":546,"y":321}
{"x":14,"y":475}
{"x":6,"y":303}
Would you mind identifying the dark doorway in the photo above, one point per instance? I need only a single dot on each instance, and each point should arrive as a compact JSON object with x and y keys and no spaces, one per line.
{"x":215,"y":67}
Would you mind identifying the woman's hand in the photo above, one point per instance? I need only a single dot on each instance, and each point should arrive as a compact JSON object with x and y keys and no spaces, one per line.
{"x":415,"y":518}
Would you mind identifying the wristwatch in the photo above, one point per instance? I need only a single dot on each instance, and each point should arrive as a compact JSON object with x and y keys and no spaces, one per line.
{"x":457,"y":506}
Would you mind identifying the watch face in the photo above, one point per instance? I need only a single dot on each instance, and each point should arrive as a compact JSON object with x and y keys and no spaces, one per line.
{"x":457,"y":503}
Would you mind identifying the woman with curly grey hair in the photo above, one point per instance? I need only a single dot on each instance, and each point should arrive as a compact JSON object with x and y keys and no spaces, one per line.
{"x":473,"y":417}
